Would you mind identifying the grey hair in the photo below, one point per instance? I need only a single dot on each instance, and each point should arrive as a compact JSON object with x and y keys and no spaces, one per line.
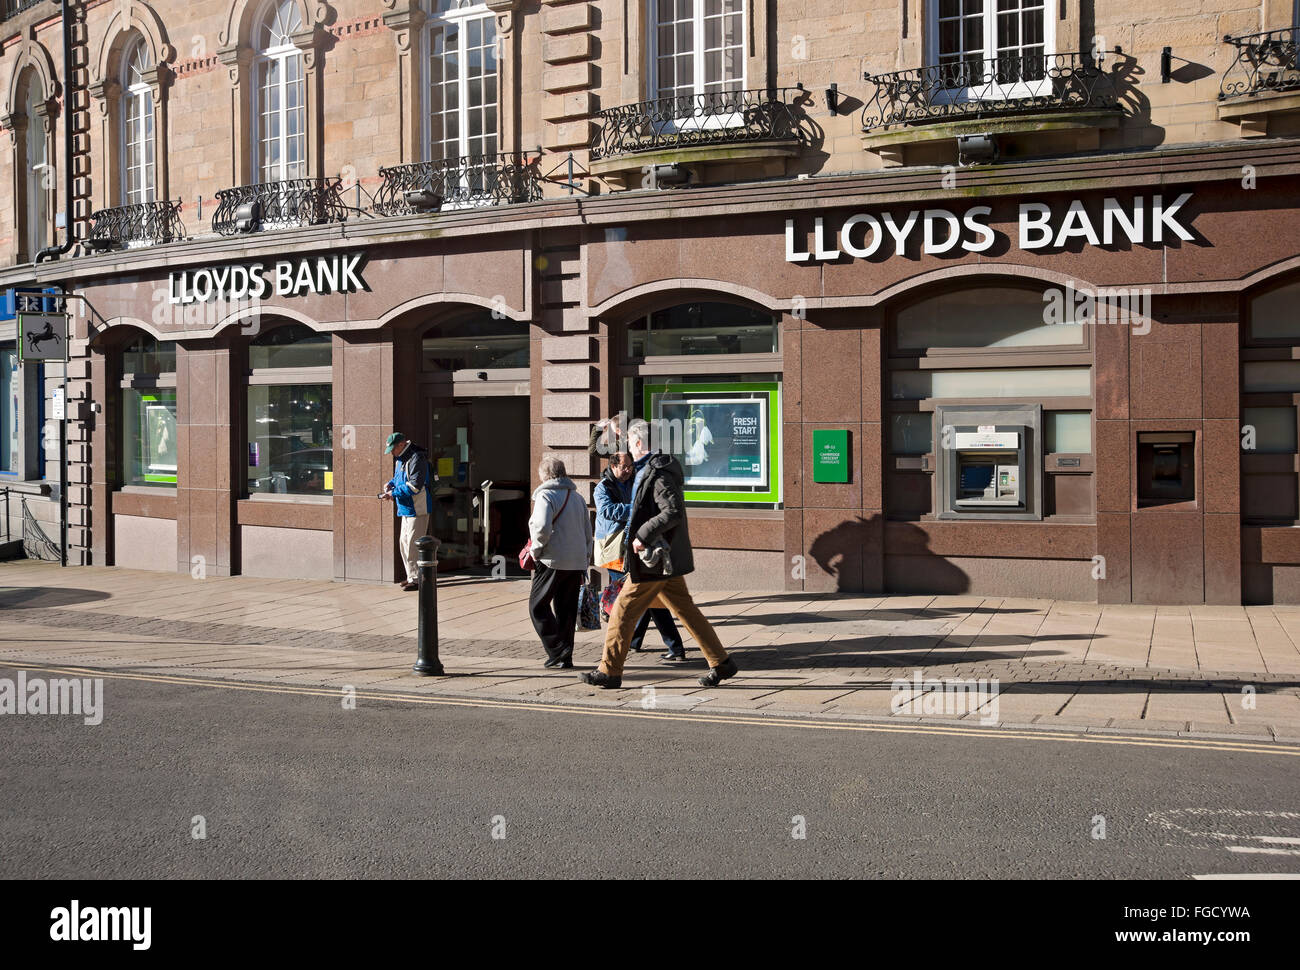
{"x":550,"y":467}
{"x":640,"y":430}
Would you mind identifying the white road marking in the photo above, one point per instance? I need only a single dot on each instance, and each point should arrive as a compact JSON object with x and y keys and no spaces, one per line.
{"x":1261,"y":849}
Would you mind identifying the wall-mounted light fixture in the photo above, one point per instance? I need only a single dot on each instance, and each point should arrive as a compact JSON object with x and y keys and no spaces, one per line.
{"x":833,"y":98}
{"x":976,"y":149}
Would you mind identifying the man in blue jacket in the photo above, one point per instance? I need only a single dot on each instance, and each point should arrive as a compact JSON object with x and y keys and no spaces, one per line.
{"x":410,"y":489}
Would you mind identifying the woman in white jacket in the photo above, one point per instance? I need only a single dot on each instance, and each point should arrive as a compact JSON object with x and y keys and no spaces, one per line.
{"x":560,"y":530}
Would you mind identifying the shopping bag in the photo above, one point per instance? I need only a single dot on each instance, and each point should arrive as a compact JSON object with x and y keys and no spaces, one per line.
{"x":588,"y":607}
{"x":609,"y":595}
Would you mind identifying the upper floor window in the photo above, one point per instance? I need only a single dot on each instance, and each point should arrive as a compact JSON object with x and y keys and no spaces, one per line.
{"x":462,"y":82}
{"x":280,"y":113}
{"x":996,"y":48}
{"x":40,"y":174}
{"x":697,"y":47}
{"x":138,"y":183}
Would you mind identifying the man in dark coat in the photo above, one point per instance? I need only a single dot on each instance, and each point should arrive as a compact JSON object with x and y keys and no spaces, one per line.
{"x":658,"y":559}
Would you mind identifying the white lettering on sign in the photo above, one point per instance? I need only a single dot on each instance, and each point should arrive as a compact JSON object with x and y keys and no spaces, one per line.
{"x":257,"y":281}
{"x":1038,"y":226}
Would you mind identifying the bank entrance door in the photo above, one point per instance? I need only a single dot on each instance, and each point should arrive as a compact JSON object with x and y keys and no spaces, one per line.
{"x":479,"y":449}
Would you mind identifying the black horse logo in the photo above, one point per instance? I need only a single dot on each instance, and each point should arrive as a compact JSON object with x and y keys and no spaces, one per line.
{"x":42,"y":336}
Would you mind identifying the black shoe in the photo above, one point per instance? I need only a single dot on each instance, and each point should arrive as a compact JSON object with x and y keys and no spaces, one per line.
{"x":597,"y":678}
{"x":673,"y":658}
{"x":719,"y":673}
{"x":553,"y":662}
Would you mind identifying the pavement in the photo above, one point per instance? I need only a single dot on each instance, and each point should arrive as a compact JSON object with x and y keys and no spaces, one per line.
{"x":1226,"y":672}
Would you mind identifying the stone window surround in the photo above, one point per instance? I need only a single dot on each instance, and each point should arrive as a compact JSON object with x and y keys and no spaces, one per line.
{"x":33,"y":64}
{"x":238,"y":54}
{"x":128,"y":21}
{"x":407,"y":18}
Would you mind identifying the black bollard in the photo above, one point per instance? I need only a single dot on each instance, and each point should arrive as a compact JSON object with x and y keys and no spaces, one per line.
{"x":427,"y":663}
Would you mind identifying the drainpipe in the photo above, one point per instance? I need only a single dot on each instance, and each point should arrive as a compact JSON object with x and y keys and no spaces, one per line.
{"x":54,"y":252}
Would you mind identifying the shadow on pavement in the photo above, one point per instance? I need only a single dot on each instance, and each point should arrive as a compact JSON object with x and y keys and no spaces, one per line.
{"x":42,"y":597}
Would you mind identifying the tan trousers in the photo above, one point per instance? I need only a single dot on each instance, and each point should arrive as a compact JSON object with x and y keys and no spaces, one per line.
{"x":634,"y":599}
{"x":413,"y":527}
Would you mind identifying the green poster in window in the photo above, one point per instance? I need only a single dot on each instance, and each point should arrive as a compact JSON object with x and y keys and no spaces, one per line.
{"x":727,"y":437}
{"x":157,"y":439}
{"x":830,"y":456}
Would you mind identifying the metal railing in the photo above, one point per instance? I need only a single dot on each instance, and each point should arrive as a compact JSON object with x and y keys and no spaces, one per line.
{"x":12,"y":8}
{"x":279,"y":205}
{"x":1009,"y":84}
{"x":1264,"y":63}
{"x":138,"y":224}
{"x":687,"y":120}
{"x":464,"y":182}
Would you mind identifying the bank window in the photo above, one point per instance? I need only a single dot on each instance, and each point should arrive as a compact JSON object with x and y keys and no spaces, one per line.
{"x":1273,"y":315}
{"x":11,"y":388}
{"x":462,"y":82}
{"x":149,"y":413}
{"x":1270,"y":390}
{"x":280,"y":111}
{"x":697,"y":47}
{"x":1068,"y":432}
{"x":137,"y":125}
{"x":998,"y":317}
{"x":911,"y":434}
{"x":992,"y":48}
{"x":703,"y":328}
{"x":290,"y":413}
{"x":1029,"y":382}
{"x":476,"y":343}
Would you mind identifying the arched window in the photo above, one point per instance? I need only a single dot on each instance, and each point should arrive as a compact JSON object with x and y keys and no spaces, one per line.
{"x":279,"y":111}
{"x":39,"y":172}
{"x":138,"y":183}
{"x":461,"y":119}
{"x":290,"y":412}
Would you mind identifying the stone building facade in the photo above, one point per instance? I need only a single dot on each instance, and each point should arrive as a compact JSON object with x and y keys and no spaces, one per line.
{"x":926,"y":297}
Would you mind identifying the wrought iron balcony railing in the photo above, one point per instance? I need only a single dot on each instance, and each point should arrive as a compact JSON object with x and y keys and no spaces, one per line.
{"x":279,"y":205}
{"x":1009,"y":84}
{"x":1265,"y":63}
{"x":457,"y":183}
{"x":12,"y":8}
{"x":136,"y":225}
{"x":688,"y":120}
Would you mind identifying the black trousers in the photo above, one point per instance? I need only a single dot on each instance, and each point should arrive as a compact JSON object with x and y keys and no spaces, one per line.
{"x":553,"y":605}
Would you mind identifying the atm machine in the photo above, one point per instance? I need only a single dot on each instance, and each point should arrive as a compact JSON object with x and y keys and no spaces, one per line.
{"x":986,"y":469}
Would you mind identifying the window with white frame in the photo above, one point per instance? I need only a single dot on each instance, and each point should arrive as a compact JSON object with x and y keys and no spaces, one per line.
{"x":279,"y":110}
{"x":40,"y":174}
{"x":461,"y":42}
{"x":696,"y":47}
{"x":137,"y":125}
{"x":970,"y":37}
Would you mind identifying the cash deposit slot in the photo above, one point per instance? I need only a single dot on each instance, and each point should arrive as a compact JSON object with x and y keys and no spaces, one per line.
{"x":988,"y":468}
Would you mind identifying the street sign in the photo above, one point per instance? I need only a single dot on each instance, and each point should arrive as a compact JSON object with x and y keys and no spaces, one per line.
{"x":42,"y":336}
{"x":56,"y":405}
{"x":830,"y":456}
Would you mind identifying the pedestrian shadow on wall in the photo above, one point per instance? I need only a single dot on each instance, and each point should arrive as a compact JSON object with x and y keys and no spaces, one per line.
{"x":46,"y":597}
{"x":844,"y":551}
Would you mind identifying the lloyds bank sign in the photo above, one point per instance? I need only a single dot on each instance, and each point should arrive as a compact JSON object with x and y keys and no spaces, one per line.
{"x":1142,"y":221}
{"x":247,"y":282}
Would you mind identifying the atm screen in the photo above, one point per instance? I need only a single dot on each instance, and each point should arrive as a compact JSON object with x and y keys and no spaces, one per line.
{"x":976,"y":478}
